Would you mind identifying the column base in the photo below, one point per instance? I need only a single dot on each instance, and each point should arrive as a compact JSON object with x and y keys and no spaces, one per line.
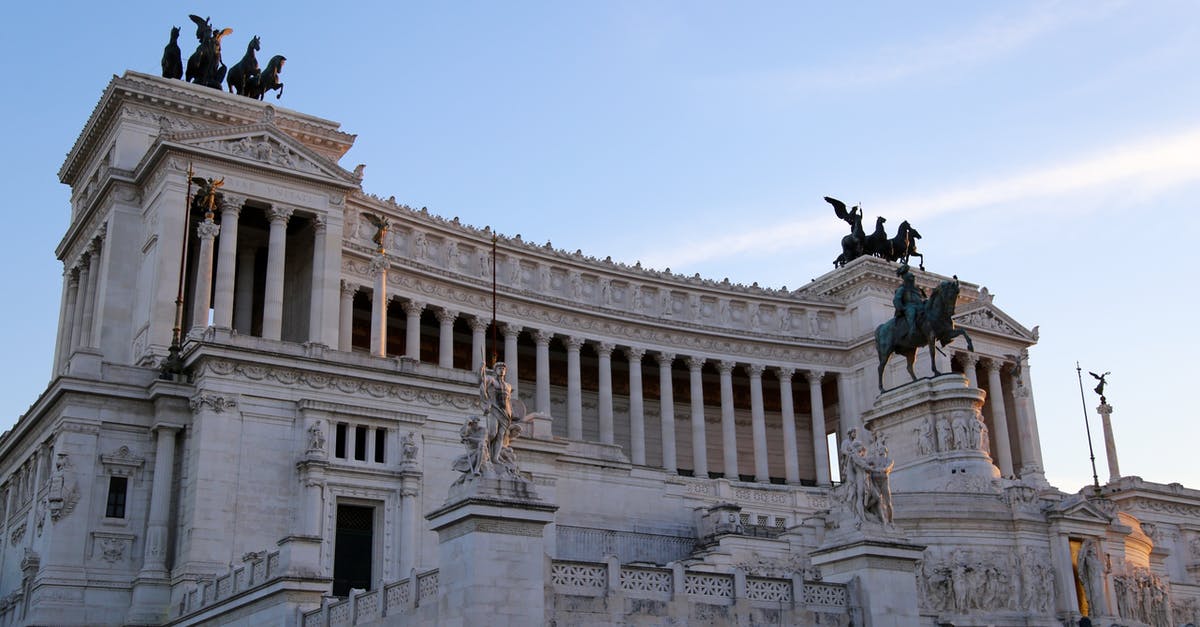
{"x":151,"y":600}
{"x":492,"y":562}
{"x":883,"y":571}
{"x":301,"y":556}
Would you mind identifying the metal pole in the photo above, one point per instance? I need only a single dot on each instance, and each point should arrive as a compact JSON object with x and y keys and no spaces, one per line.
{"x":1088,"y":428}
{"x":495,"y":350}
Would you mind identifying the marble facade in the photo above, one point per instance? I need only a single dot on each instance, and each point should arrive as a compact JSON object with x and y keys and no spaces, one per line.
{"x":684,"y":470}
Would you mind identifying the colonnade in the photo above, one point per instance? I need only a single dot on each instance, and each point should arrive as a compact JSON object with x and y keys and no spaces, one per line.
{"x":79,"y":325}
{"x":604,"y":350}
{"x":1000,"y":399}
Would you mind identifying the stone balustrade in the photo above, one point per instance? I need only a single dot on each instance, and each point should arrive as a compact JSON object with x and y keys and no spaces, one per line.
{"x":255,"y":573}
{"x":400,"y":602}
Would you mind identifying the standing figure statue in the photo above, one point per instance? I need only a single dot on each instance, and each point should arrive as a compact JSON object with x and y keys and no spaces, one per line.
{"x":1101,"y":378}
{"x":205,"y":67}
{"x":207,"y":199}
{"x":496,"y":396}
{"x":854,"y":244}
{"x":172,"y":59}
{"x":867,"y":470}
{"x":1091,"y":573}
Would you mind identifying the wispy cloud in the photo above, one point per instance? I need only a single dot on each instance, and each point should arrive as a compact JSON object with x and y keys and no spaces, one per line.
{"x":1148,"y":165}
{"x":991,"y":38}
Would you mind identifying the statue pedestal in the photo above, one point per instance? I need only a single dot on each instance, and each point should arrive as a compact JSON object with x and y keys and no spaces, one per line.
{"x":934,"y":431}
{"x":881,"y":567}
{"x":491,"y":554}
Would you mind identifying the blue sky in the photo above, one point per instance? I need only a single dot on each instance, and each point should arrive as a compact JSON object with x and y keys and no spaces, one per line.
{"x":1049,"y":151}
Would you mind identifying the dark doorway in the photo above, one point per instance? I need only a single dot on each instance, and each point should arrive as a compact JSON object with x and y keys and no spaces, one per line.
{"x":352,"y":547}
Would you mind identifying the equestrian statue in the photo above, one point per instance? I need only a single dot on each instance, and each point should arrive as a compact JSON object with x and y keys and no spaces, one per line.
{"x":919,"y":321}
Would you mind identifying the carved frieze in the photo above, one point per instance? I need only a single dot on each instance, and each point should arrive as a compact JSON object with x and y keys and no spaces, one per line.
{"x":215,"y":402}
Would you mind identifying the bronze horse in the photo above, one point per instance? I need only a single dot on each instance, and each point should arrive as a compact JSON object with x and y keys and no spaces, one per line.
{"x":172,"y":59}
{"x":934,"y":324}
{"x":258,"y":86}
{"x":242,"y":71}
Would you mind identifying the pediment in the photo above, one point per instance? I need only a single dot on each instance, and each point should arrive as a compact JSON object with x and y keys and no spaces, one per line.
{"x":1080,"y":509}
{"x":982,"y":315}
{"x":265,"y":145}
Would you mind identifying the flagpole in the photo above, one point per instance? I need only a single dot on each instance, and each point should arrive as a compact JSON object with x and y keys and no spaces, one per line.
{"x":495,"y":350}
{"x":173,"y":364}
{"x":1088,"y":428}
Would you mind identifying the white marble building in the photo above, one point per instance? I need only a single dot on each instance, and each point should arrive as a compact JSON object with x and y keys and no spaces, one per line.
{"x":684,"y":471}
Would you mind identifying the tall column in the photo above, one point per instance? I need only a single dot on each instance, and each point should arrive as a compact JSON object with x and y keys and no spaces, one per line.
{"x":408,"y":529}
{"x":666,"y":408}
{"x":542,"y":340}
{"x":728,"y":426}
{"x":412,"y":329}
{"x":316,"y":307}
{"x":604,"y":350}
{"x":85,"y":273}
{"x":511,"y":333}
{"x":346,"y":317}
{"x":787,"y":411}
{"x":699,"y":443}
{"x":91,"y":323}
{"x":820,"y":446}
{"x":758,"y":425}
{"x":848,"y":416}
{"x":154,"y":560}
{"x":1110,"y":443}
{"x":969,"y":362}
{"x":574,"y":390}
{"x":1031,"y":445}
{"x":446,"y":318}
{"x":89,"y":297}
{"x":272,"y":324}
{"x":1000,"y":439}
{"x":478,"y":339}
{"x":66,"y":320}
{"x":206,"y":232}
{"x":637,"y":420}
{"x":243,"y":300}
{"x":379,"y":305}
{"x":231,"y":208}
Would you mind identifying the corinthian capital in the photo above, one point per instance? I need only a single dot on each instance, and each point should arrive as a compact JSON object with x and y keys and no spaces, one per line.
{"x":279,"y":214}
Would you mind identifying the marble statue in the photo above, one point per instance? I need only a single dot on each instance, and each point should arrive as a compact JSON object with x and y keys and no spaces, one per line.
{"x":867,"y":468}
{"x":488,"y":438}
{"x":408,"y":448}
{"x":1091,"y":572}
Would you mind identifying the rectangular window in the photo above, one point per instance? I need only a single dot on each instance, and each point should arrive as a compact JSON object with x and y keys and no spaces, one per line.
{"x":380,"y":444}
{"x":360,"y":443}
{"x":339,"y":441}
{"x":117,"y":487}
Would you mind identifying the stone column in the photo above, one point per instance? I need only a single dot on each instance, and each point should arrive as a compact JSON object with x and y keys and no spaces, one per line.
{"x":346,"y":317}
{"x":1110,"y":444}
{"x":446,"y":318}
{"x":316,"y":307}
{"x":699,"y":443}
{"x":206,"y":232}
{"x":542,"y":340}
{"x":820,"y":446}
{"x":66,"y":320}
{"x":478,"y":339}
{"x":272,"y":324}
{"x":605,"y":349}
{"x":1031,"y":446}
{"x":231,"y":209}
{"x":999,"y":419}
{"x":637,"y":420}
{"x":412,"y":329}
{"x":728,"y":426}
{"x":969,"y":362}
{"x":408,"y":531}
{"x":91,"y":323}
{"x":379,"y":305}
{"x":666,"y":405}
{"x":787,"y":410}
{"x":154,"y":560}
{"x":758,"y":425}
{"x":511,"y":333}
{"x":81,"y":308}
{"x":848,"y":413}
{"x":243,"y":300}
{"x":574,"y":390}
